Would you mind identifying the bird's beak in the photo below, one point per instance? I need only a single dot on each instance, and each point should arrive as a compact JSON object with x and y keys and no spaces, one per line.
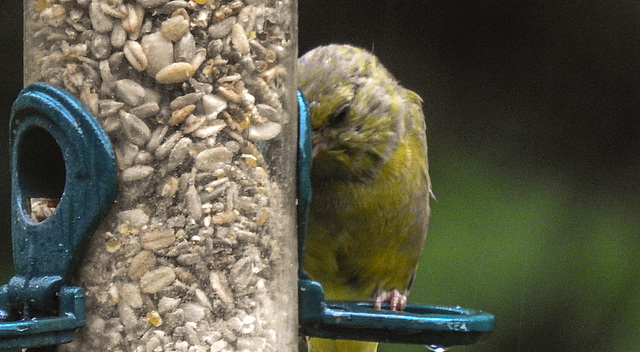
{"x":318,"y":145}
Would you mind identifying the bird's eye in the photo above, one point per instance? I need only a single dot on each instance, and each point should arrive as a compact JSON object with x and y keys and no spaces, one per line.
{"x":339,"y":116}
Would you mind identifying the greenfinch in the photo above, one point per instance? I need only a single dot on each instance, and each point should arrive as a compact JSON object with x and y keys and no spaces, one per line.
{"x":370,"y":206}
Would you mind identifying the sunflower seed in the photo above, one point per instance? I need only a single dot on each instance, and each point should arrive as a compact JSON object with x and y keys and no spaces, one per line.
{"x":178,"y":153}
{"x":146,"y":110}
{"x":213,"y":105}
{"x":198,"y":58}
{"x":185,"y":48}
{"x":209,"y":159}
{"x":99,"y":20}
{"x":148,"y":4}
{"x":118,"y":35}
{"x":108,"y":107}
{"x":210,"y":130}
{"x":239,"y":39}
{"x":156,"y":137}
{"x":159,"y":51}
{"x":130,"y":91}
{"x":184,"y":100}
{"x":136,"y":131}
{"x":266,"y":131}
{"x":165,"y":148}
{"x":101,"y":46}
{"x":136,"y":173}
{"x":222,"y":28}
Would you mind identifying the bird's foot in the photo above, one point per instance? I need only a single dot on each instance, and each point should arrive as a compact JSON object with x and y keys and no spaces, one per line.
{"x":397,"y":301}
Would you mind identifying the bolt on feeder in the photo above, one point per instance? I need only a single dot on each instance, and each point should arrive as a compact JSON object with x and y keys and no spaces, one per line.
{"x":197,"y":102}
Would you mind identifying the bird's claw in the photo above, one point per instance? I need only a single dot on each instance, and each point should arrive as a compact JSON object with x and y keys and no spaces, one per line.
{"x":397,"y":301}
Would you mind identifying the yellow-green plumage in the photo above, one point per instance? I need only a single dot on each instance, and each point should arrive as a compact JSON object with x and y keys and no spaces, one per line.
{"x":370,"y":207}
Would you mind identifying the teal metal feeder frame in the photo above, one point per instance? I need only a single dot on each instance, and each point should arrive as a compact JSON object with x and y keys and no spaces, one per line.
{"x":58,"y":151}
{"x":417,"y":324}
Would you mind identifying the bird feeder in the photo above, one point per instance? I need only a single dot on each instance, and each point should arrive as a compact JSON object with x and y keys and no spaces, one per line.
{"x":190,"y":108}
{"x":153,"y":168}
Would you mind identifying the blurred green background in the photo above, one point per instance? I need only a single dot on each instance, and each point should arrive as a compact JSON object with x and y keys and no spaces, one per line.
{"x":532,"y":112}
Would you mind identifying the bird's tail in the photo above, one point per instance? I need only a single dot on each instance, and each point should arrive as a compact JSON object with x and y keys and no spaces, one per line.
{"x":326,"y":345}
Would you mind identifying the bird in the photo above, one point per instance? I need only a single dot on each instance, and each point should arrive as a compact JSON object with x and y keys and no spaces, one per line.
{"x":369,"y":210}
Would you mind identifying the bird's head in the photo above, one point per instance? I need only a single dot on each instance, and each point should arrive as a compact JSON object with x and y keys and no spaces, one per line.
{"x":354,"y":104}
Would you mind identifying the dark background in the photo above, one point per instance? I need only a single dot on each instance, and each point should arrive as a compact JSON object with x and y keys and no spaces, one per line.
{"x":532,"y":113}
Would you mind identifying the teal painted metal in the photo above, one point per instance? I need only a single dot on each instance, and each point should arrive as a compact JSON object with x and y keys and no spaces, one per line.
{"x":417,"y":324}
{"x":304,"y":176}
{"x":58,"y":151}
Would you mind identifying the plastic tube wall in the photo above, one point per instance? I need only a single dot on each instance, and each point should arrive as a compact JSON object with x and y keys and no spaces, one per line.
{"x":198,"y":97}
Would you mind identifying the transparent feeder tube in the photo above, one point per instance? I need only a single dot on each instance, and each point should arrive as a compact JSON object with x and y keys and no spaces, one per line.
{"x":198,"y":252}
